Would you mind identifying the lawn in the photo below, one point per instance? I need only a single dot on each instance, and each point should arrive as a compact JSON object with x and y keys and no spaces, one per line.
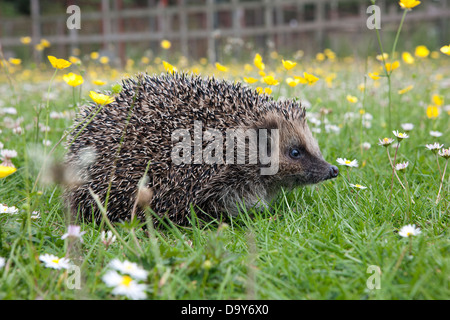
{"x":336,"y":240}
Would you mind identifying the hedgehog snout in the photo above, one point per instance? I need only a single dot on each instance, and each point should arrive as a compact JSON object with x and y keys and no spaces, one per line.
{"x":334,"y":172}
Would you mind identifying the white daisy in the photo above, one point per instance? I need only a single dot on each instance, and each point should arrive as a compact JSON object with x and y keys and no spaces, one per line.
{"x":385,"y":142}
{"x":129,"y":268}
{"x":107,"y":237}
{"x":52,"y":261}
{"x":409,"y":230}
{"x":8,"y":154}
{"x":357,"y":186}
{"x":6,"y":209}
{"x":366,"y":145}
{"x":73,"y":232}
{"x":400,"y":136}
{"x":348,"y":163}
{"x":445,"y":153}
{"x":407,"y":126}
{"x":401,"y":166}
{"x":434,"y":147}
{"x":124,"y":285}
{"x":435,"y":133}
{"x":2,"y":262}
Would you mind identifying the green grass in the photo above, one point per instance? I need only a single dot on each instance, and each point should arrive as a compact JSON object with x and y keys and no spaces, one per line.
{"x":317,"y":242}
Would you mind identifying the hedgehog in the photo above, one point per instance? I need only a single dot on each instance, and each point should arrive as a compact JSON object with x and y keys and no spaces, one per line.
{"x":143,"y":139}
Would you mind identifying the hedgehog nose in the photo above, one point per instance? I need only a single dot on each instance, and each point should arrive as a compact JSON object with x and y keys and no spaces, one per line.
{"x":334,"y":171}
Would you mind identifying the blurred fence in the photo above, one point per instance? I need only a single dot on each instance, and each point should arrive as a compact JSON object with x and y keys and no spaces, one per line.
{"x":196,"y":27}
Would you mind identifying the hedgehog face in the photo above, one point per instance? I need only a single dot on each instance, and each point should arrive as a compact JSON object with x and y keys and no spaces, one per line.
{"x":300,"y":159}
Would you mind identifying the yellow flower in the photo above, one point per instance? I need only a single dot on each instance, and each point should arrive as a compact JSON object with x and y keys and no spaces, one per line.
{"x":405,"y":90}
{"x":25,"y":40}
{"x":45,"y":43}
{"x":145,"y":60}
{"x":438,"y":100}
{"x":446,"y":50}
{"x":94,"y":55}
{"x":165,"y":44}
{"x":59,"y":63}
{"x":73,"y":79}
{"x":74,"y":59}
{"x":98,"y":82}
{"x":432,"y":112}
{"x":352,"y":99}
{"x":407,"y":57}
{"x":408,"y":4}
{"x":271,"y":81}
{"x":39,"y":47}
{"x":320,"y":56}
{"x":260,"y":90}
{"x":380,"y":57}
{"x":374,"y":75}
{"x":221,"y":67}
{"x":100,"y":99}
{"x":258,"y":62}
{"x":247,"y":67}
{"x":15,"y":61}
{"x":169,"y":68}
{"x":288,"y":64}
{"x":361,"y":87}
{"x":422,"y":52}
{"x":250,"y":80}
{"x":292,"y":82}
{"x":392,"y":66}
{"x":308,"y":78}
{"x":6,"y":171}
{"x":104,"y":60}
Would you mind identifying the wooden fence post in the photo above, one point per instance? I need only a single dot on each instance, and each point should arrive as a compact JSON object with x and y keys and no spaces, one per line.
{"x":210,"y":29}
{"x":35,"y":29}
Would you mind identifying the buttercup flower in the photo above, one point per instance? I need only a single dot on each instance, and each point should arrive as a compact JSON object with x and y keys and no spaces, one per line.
{"x":288,"y":65}
{"x":408,"y":4}
{"x":258,"y":62}
{"x":392,"y":66}
{"x":250,"y":80}
{"x":52,"y":261}
{"x":292,"y":82}
{"x":101,"y":99}
{"x":221,"y":67}
{"x":307,"y":78}
{"x":59,"y":63}
{"x":6,"y":171}
{"x":169,"y":68}
{"x":25,"y":40}
{"x":409,"y":231}
{"x":432,"y":112}
{"x":271,"y":81}
{"x":352,"y":99}
{"x":73,"y":79}
{"x":405,"y":90}
{"x":407,"y":58}
{"x":348,"y":163}
{"x":445,"y":50}
{"x":165,"y":44}
{"x":422,"y":52}
{"x":374,"y":75}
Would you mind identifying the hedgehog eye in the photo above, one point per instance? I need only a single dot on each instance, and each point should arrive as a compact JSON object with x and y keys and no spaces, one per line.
{"x":295,"y":153}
